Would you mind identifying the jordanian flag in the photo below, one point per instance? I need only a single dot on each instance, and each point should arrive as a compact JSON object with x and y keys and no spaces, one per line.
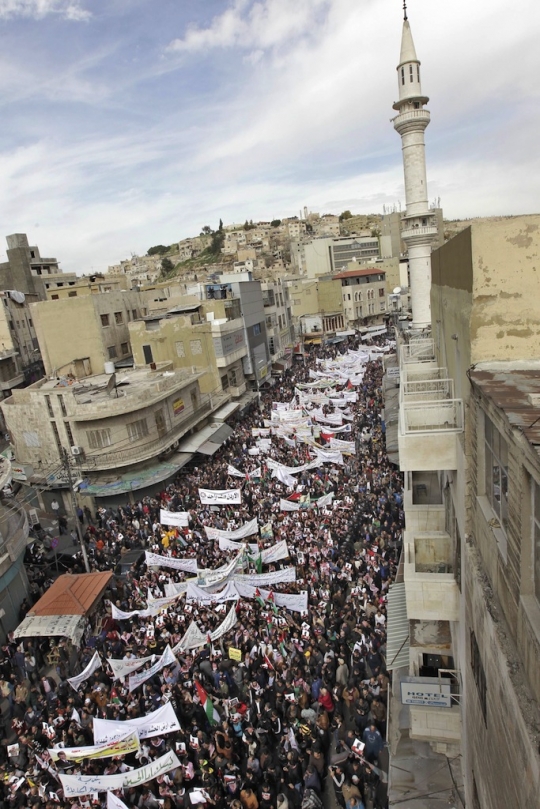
{"x":206,"y":702}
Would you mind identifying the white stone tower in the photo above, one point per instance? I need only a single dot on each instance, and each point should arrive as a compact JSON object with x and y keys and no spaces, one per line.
{"x":418,"y":223}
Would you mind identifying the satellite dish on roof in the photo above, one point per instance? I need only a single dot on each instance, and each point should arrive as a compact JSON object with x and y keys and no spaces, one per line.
{"x":396,"y":291}
{"x":111,"y":384}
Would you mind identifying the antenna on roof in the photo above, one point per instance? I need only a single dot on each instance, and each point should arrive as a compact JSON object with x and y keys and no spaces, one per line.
{"x":404,"y":9}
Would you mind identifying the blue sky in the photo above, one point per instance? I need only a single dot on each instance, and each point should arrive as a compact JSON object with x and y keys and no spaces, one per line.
{"x":127,"y":123}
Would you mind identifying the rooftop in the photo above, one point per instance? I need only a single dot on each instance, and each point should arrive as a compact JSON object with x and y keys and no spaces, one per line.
{"x":360,"y":273}
{"x":72,"y":594}
{"x":515,"y":389}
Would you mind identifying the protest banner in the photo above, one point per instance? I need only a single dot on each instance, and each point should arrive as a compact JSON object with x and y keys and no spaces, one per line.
{"x":157,"y":723}
{"x":75,"y":785}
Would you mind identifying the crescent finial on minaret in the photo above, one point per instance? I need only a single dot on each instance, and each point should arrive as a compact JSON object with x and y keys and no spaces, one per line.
{"x":405,"y":9}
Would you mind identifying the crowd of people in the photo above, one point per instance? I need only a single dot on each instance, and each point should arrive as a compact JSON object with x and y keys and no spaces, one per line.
{"x":298,"y":700}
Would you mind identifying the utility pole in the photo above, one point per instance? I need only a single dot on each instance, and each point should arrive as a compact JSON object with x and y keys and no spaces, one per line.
{"x":67,"y":468}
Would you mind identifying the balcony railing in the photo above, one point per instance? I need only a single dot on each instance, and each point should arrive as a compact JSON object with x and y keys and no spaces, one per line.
{"x":427,"y":390}
{"x":418,"y":350}
{"x":431,"y":417}
{"x":423,"y":372}
{"x":150,"y":449}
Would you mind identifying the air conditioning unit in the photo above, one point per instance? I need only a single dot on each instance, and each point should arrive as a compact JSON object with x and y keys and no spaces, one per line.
{"x":77,"y":451}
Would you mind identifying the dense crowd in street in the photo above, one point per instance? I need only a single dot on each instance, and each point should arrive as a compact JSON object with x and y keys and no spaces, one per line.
{"x":284,"y":710}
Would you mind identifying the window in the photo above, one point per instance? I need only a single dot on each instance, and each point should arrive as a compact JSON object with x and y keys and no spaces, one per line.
{"x":195,"y":347}
{"x":134,"y":313}
{"x":381,"y":293}
{"x":411,"y":73}
{"x":232,"y":377}
{"x":118,"y":318}
{"x":225,"y":382}
{"x":382,"y":306}
{"x":180,"y":350}
{"x":137,"y":430}
{"x":72,"y":294}
{"x":148,"y":356}
{"x":98,"y":439}
{"x":124,"y":348}
{"x":403,"y":75}
{"x":104,"y":320}
{"x":30,"y":324}
{"x":62,"y":405}
{"x":348,"y":296}
{"x":160,"y":423}
{"x":496,"y":471}
{"x":536,"y":537}
{"x":49,"y":406}
{"x":31,"y":439}
{"x":256,"y":329}
{"x":112,"y":352}
{"x":56,"y":436}
{"x":478,"y":674}
{"x":55,"y":297}
{"x":69,"y":434}
{"x":418,"y":73}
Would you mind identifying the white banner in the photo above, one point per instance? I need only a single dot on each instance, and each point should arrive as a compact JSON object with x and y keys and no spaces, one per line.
{"x":290,"y":470}
{"x":329,"y":418}
{"x":333,"y":430}
{"x":288,"y":505}
{"x":348,"y":447}
{"x":154,"y":724}
{"x":75,"y":785}
{"x":194,"y":638}
{"x":166,"y":659}
{"x":261,"y":579}
{"x":121,"y":668}
{"x":284,"y":477}
{"x":324,"y":501}
{"x":278,"y":551}
{"x":156,"y":560}
{"x":235,"y":473}
{"x":93,"y":666}
{"x":178,"y":519}
{"x":113,"y":802}
{"x":196,"y":593}
{"x":212,"y":497}
{"x":175,"y":588}
{"x":246,"y":530}
{"x":228,"y":545}
{"x":129,"y":743}
{"x":329,"y":456}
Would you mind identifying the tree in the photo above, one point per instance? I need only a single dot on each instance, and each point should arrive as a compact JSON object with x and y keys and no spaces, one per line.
{"x":218,"y":239}
{"x":275,"y":223}
{"x":220,"y":228}
{"x":345,"y":215}
{"x":166,"y":266}
{"x":206,"y":231}
{"x":158,"y":249}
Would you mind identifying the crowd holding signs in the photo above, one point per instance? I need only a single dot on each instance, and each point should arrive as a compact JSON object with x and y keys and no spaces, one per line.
{"x":241,"y":662}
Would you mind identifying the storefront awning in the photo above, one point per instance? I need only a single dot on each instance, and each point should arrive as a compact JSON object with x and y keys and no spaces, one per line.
{"x":42,"y":626}
{"x":132,"y":481}
{"x":72,"y":594}
{"x":397,"y":640}
{"x":216,"y":440}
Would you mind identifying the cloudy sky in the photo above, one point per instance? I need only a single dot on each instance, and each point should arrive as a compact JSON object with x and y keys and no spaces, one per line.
{"x":127,"y":123}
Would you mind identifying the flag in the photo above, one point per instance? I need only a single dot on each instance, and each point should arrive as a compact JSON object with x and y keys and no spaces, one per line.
{"x":206,"y":702}
{"x":268,"y":662}
{"x":272,"y":601}
{"x":75,"y":716}
{"x":258,"y":597}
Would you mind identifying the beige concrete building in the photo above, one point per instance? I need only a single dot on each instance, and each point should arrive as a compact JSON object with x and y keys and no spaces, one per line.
{"x":20,"y":359}
{"x":364,"y":295}
{"x":89,"y":285}
{"x":79,"y":335}
{"x":279,"y":323}
{"x":120,"y":432}
{"x":206,"y":338}
{"x":468,"y":445}
{"x":316,"y":307}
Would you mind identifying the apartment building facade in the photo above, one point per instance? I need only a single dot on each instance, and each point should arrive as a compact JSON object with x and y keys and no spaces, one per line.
{"x":364,"y":295}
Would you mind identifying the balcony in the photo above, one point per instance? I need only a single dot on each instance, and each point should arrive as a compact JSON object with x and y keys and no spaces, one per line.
{"x":148,"y":449}
{"x":441,"y":727}
{"x":427,"y":435}
{"x":419,"y":350}
{"x":418,"y":390}
{"x":431,"y":589}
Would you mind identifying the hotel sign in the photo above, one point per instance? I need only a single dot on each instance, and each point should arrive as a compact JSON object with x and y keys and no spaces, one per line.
{"x":428,"y":691}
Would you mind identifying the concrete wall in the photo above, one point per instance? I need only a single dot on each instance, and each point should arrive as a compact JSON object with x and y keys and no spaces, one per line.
{"x":72,"y":329}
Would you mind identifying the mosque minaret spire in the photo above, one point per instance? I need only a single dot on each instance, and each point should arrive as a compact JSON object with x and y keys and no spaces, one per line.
{"x":418,"y":223}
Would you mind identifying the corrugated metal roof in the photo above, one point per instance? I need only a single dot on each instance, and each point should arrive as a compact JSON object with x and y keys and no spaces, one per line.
{"x":510,"y":390}
{"x":397,"y":640}
{"x":72,"y":594}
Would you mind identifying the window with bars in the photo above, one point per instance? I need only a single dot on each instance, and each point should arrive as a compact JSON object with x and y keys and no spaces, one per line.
{"x":137,"y":430}
{"x":98,"y":439}
{"x":536,"y":537}
{"x":479,"y":674}
{"x":496,"y":471}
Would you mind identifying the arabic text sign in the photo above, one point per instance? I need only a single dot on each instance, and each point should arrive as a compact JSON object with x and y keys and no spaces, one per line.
{"x":177,"y":519}
{"x":212,"y":497}
{"x":75,"y":785}
{"x":121,"y":747}
{"x":157,"y":723}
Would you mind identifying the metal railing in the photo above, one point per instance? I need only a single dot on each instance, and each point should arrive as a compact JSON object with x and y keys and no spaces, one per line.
{"x":148,"y":449}
{"x":427,"y":389}
{"x":430,"y":417}
{"x":418,"y":350}
{"x":423,"y":372}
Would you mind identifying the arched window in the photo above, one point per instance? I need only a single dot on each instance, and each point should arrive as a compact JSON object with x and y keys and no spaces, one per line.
{"x":411,"y":73}
{"x":403,"y":75}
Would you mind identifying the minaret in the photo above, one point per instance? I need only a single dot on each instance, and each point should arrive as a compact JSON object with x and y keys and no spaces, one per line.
{"x":418,"y":223}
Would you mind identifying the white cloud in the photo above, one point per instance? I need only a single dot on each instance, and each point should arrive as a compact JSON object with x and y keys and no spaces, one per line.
{"x":37,"y":9}
{"x":253,"y":25}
